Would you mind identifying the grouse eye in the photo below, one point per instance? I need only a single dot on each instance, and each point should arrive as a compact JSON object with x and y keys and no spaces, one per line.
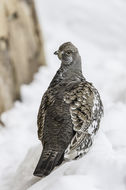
{"x":68,"y":52}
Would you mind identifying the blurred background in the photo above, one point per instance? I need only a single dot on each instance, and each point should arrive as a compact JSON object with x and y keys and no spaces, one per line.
{"x":30,"y":31}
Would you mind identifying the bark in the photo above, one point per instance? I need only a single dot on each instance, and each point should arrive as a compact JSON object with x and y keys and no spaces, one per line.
{"x":21,"y":48}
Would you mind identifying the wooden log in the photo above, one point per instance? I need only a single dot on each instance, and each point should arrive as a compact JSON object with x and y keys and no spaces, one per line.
{"x":21,"y":48}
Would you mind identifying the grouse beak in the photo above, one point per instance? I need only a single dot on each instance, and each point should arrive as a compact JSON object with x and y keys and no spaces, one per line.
{"x":56,"y":52}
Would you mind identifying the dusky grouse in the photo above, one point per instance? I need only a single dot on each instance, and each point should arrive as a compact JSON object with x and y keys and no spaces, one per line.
{"x":69,"y":114}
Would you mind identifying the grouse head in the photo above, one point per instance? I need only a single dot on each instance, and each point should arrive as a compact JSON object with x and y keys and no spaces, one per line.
{"x":67,"y":53}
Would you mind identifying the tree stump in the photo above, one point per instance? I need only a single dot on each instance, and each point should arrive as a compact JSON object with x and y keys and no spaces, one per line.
{"x":21,"y":48}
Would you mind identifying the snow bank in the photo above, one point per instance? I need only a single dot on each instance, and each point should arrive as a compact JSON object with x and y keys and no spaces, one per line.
{"x":98,"y":29}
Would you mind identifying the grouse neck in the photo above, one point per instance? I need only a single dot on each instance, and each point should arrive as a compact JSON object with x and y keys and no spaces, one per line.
{"x":68,"y":73}
{"x":71,"y":70}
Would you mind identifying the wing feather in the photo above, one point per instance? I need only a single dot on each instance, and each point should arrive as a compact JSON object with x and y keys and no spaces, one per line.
{"x":46,"y":101}
{"x":86,"y":110}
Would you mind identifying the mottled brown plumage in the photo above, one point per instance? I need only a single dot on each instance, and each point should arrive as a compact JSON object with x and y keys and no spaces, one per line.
{"x":69,"y":114}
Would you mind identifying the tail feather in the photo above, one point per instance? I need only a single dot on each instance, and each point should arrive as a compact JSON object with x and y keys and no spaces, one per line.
{"x":48,"y":160}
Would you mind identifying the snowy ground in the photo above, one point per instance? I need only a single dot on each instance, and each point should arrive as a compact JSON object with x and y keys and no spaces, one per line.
{"x":98,"y":29}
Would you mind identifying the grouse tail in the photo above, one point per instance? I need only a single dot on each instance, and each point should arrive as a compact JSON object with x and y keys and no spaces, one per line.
{"x":48,"y":160}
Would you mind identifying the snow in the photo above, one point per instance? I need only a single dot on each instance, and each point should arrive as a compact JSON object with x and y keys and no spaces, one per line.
{"x":98,"y":29}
